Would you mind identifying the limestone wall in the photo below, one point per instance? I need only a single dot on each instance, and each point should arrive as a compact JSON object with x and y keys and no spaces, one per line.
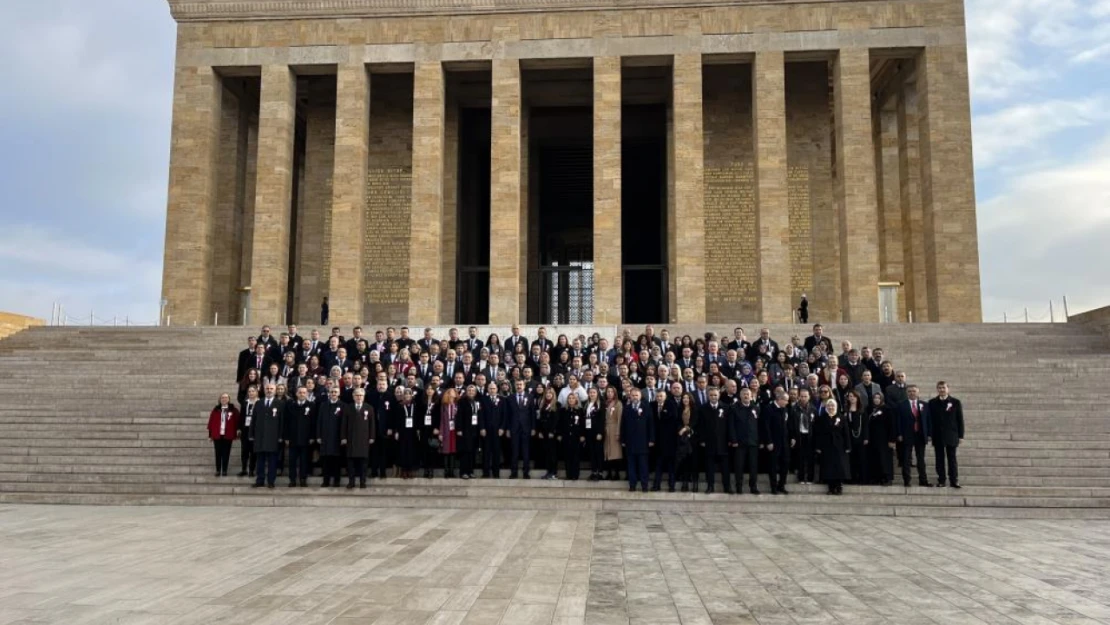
{"x":10,"y":323}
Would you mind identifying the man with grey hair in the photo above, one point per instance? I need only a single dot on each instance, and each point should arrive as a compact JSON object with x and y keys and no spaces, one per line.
{"x":267,"y":430}
{"x":359,"y":433}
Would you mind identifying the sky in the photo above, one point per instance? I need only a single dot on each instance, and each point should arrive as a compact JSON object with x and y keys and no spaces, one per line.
{"x":85,"y":132}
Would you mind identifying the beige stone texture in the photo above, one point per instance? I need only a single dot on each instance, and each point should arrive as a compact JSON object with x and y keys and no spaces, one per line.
{"x":348,"y":205}
{"x":689,"y":269}
{"x":948,"y":186}
{"x":194,"y":148}
{"x":225,"y":239}
{"x":312,"y":282}
{"x":769,"y":107}
{"x":245,"y":219}
{"x":815,"y":241}
{"x":731,"y":224}
{"x":508,"y":224}
{"x":450,"y":234}
{"x":916,"y":289}
{"x":426,"y":251}
{"x":855,"y":186}
{"x":891,"y":257}
{"x":608,"y":267}
{"x":270,"y":265}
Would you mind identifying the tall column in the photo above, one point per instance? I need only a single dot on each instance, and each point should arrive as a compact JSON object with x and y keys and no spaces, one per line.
{"x":688,"y":270}
{"x":425,"y":257}
{"x":318,"y":165}
{"x":855,"y":186}
{"x":891,"y":231}
{"x":348,"y":205}
{"x":187,"y":270}
{"x":508,"y":240}
{"x":769,"y":110}
{"x":273,"y":203}
{"x":608,"y":266}
{"x":909,"y":184}
{"x":948,"y":186}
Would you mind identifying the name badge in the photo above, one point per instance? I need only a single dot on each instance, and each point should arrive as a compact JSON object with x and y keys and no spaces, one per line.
{"x":427,"y":419}
{"x":451,"y":424}
{"x":474,"y":420}
{"x":589,"y":423}
{"x":408,"y":422}
{"x":248,"y":422}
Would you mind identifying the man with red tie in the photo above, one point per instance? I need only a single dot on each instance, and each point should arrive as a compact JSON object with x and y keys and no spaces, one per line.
{"x":914,"y":429}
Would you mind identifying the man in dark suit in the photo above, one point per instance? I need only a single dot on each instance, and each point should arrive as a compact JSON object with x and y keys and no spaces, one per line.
{"x":268,"y":340}
{"x":300,"y":430}
{"x":947,"y":414}
{"x":261,"y":360}
{"x":352,"y":343}
{"x":246,"y":360}
{"x":775,"y":436}
{"x":473,"y":343}
{"x":513,"y":339}
{"x":267,"y":432}
{"x":519,"y":427}
{"x":914,"y":427}
{"x":426,"y":341}
{"x":637,"y":437}
{"x":713,"y":439}
{"x":295,"y":339}
{"x":818,"y":338}
{"x":770,"y":347}
{"x":743,"y":438}
{"x":359,"y":432}
{"x":542,"y":340}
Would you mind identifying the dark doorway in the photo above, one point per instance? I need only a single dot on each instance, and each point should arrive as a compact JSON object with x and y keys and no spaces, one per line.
{"x":644,"y":212}
{"x":472,"y":298}
{"x":561,"y":157}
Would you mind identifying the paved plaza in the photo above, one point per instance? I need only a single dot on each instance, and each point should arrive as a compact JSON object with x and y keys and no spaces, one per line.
{"x":77,"y":565}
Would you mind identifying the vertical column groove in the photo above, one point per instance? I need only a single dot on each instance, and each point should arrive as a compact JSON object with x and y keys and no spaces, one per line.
{"x":769,"y":111}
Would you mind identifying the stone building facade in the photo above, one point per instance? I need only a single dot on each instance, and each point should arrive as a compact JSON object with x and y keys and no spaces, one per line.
{"x":573,"y":161}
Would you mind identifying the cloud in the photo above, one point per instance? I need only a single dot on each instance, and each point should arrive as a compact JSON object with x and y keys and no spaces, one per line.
{"x":1045,"y":234}
{"x":1007,"y":133}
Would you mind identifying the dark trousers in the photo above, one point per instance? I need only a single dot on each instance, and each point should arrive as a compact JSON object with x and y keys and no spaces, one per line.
{"x":223,"y":454}
{"x":266,"y":467}
{"x":688,"y":468}
{"x":780,"y":466}
{"x":378,"y":457}
{"x":883,"y":461}
{"x":805,"y":458}
{"x":573,"y":457}
{"x":550,"y":454}
{"x":915,"y":446}
{"x":330,"y":469}
{"x":466,"y":462}
{"x":356,"y":468}
{"x":949,"y":452}
{"x":857,"y":461}
{"x":637,"y":470}
{"x":713,"y":461}
{"x":746,"y":458}
{"x":521,"y":445}
{"x":246,"y":453}
{"x":298,"y":463}
{"x":491,"y":454}
{"x":664,"y":462}
{"x":597,"y":454}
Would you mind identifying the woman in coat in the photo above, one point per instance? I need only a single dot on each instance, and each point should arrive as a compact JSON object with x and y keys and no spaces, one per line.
{"x":448,"y":410}
{"x":406,"y":433}
{"x":856,"y":415}
{"x":833,"y":444}
{"x":573,"y":420}
{"x":426,"y":409}
{"x":666,"y":439}
{"x":467,"y":426}
{"x":881,"y":440}
{"x":222,"y":423}
{"x":547,"y":425}
{"x":613,"y":454}
{"x":252,"y":378}
{"x":595,"y":432}
{"x":687,"y":439}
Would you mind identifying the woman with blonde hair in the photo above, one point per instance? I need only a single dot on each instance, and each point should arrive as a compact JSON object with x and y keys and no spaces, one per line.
{"x":613,"y":454}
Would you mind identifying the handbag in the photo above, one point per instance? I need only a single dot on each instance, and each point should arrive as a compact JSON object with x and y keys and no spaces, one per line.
{"x":434,"y":442}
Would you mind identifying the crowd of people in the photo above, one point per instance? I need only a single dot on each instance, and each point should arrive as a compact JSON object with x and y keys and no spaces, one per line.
{"x":667,"y":412}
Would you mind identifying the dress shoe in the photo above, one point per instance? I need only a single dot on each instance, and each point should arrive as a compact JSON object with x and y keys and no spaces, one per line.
{"x":655,"y":489}
{"x":223,"y":474}
{"x":242,"y":474}
{"x":527,"y":476}
{"x":906,"y":484}
{"x":304,"y":483}
{"x":350,"y":485}
{"x":709,"y":490}
{"x":685,"y":487}
{"x":512,"y":476}
{"x":292,"y":484}
{"x":755,"y":491}
{"x":269,"y":486}
{"x":956,"y":485}
{"x":670,"y":489}
{"x":362,"y":484}
{"x":925,"y":484}
{"x":256,"y":485}
{"x":728,"y":491}
{"x":940,"y":484}
{"x":217,"y":474}
{"x":631,"y":489}
{"x":783,"y":491}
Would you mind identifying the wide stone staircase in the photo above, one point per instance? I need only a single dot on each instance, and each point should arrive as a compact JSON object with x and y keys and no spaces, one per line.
{"x":117,"y":416}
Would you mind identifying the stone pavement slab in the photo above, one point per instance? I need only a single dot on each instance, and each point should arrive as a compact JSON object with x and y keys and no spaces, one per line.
{"x":89,"y":565}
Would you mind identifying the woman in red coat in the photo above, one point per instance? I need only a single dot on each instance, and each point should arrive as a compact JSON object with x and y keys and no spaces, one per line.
{"x":222,"y":422}
{"x":448,"y":411}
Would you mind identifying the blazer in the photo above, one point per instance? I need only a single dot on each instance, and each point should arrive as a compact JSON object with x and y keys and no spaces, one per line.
{"x":229,"y":427}
{"x":948,"y":421}
{"x":903,"y":425}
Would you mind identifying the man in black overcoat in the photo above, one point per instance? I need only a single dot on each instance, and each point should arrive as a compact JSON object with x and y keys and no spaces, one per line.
{"x":300,"y":431}
{"x":713,"y":439}
{"x":267,"y":430}
{"x":775,"y":436}
{"x":947,"y":414}
{"x":743,"y":438}
{"x":359,"y":431}
{"x":330,"y":418}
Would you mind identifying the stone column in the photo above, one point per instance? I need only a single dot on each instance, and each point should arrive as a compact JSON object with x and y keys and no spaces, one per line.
{"x":272,"y":207}
{"x":608,"y":266}
{"x":769,"y":111}
{"x":187,"y":270}
{"x":508,"y":240}
{"x":909,"y":187}
{"x":948,"y":186}
{"x":319,"y":162}
{"x":855,"y":186}
{"x":225,"y":243}
{"x":891,"y":231}
{"x":688,"y":270}
{"x":425,"y":257}
{"x":348,"y":204}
